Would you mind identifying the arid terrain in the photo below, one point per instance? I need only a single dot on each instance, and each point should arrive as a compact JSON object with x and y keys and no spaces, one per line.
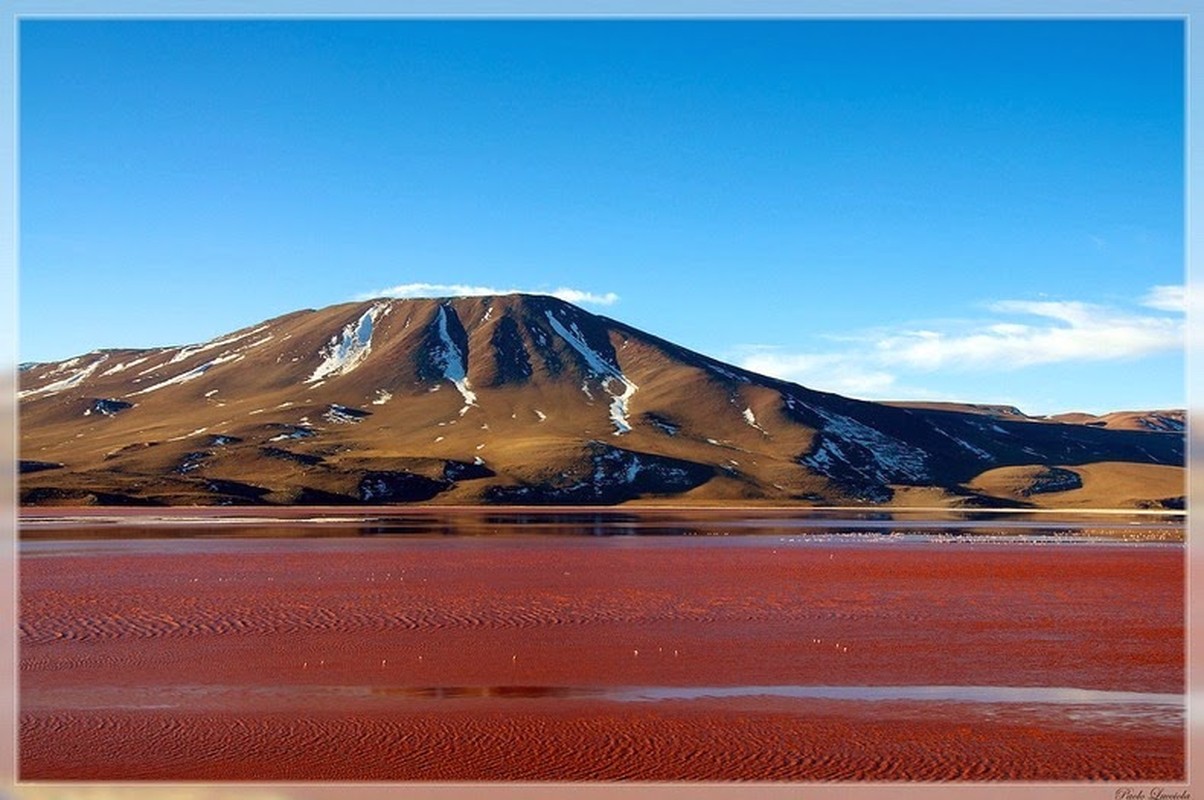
{"x":522,"y":399}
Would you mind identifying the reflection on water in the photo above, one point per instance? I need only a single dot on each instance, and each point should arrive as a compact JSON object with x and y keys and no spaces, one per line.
{"x":457,"y":692}
{"x":957,"y":694}
{"x":1034,"y":695}
{"x":712,"y":523}
{"x":1083,"y":705}
{"x":1029,"y":695}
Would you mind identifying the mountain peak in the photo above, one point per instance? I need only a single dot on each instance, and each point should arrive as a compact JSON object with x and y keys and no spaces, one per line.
{"x":509,"y":398}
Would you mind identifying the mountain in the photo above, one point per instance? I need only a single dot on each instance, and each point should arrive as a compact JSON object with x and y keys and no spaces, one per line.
{"x":525,"y":399}
{"x":1171,"y":420}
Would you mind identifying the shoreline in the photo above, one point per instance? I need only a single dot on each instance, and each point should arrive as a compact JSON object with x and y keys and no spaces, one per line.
{"x":35,"y":514}
{"x":323,"y":521}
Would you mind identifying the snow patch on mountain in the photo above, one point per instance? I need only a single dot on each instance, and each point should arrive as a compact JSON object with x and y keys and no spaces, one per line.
{"x":453,"y":362}
{"x":155,"y":367}
{"x":609,"y":373}
{"x":74,"y":379}
{"x":382,"y":397}
{"x":864,"y":451}
{"x":715,"y":366}
{"x":302,"y":431}
{"x":113,"y":370}
{"x":751,"y":419}
{"x":978,"y":451}
{"x":348,"y":348}
{"x":184,"y":436}
{"x":191,"y":374}
{"x":192,"y":350}
{"x":107,"y":407}
{"x":258,"y":342}
{"x":344,"y":415}
{"x":63,"y":366}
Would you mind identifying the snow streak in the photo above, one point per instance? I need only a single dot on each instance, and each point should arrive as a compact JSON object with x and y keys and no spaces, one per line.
{"x":453,"y":363}
{"x":191,"y":374}
{"x":751,"y":419}
{"x":346,"y":350}
{"x":71,"y":380}
{"x":890,"y":460}
{"x":619,"y":404}
{"x":188,"y":352}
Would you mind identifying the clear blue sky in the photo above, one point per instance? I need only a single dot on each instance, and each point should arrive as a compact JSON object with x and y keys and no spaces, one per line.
{"x":973,"y":210}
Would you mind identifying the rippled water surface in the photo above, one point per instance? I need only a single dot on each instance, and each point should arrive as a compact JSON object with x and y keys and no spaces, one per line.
{"x":576,"y":646}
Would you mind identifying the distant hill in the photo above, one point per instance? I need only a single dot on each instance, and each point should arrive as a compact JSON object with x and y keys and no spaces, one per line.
{"x":525,"y":399}
{"x":1169,"y":420}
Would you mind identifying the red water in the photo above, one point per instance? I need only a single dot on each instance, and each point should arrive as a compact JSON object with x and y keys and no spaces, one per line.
{"x":487,"y":658}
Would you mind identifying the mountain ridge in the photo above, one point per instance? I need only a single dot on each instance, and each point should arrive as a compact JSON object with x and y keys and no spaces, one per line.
{"x":520,"y":399}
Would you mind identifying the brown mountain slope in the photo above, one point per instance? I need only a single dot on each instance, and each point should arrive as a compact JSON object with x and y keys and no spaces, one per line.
{"x":509,"y":399}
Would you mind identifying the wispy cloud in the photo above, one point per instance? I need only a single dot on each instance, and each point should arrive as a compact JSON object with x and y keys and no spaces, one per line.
{"x":835,"y":372}
{"x":1018,"y":334}
{"x":1066,"y":331}
{"x":1166,"y":298}
{"x":407,"y":290}
{"x":578,"y":296}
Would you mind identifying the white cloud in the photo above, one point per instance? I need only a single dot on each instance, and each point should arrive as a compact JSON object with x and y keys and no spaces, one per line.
{"x":1078,"y":332}
{"x":577,"y":296}
{"x":1166,"y":298}
{"x":409,"y":290}
{"x":1021,"y":334}
{"x":834,"y":372}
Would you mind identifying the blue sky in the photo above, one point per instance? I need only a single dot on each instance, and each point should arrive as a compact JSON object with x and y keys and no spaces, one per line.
{"x":975,"y":210}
